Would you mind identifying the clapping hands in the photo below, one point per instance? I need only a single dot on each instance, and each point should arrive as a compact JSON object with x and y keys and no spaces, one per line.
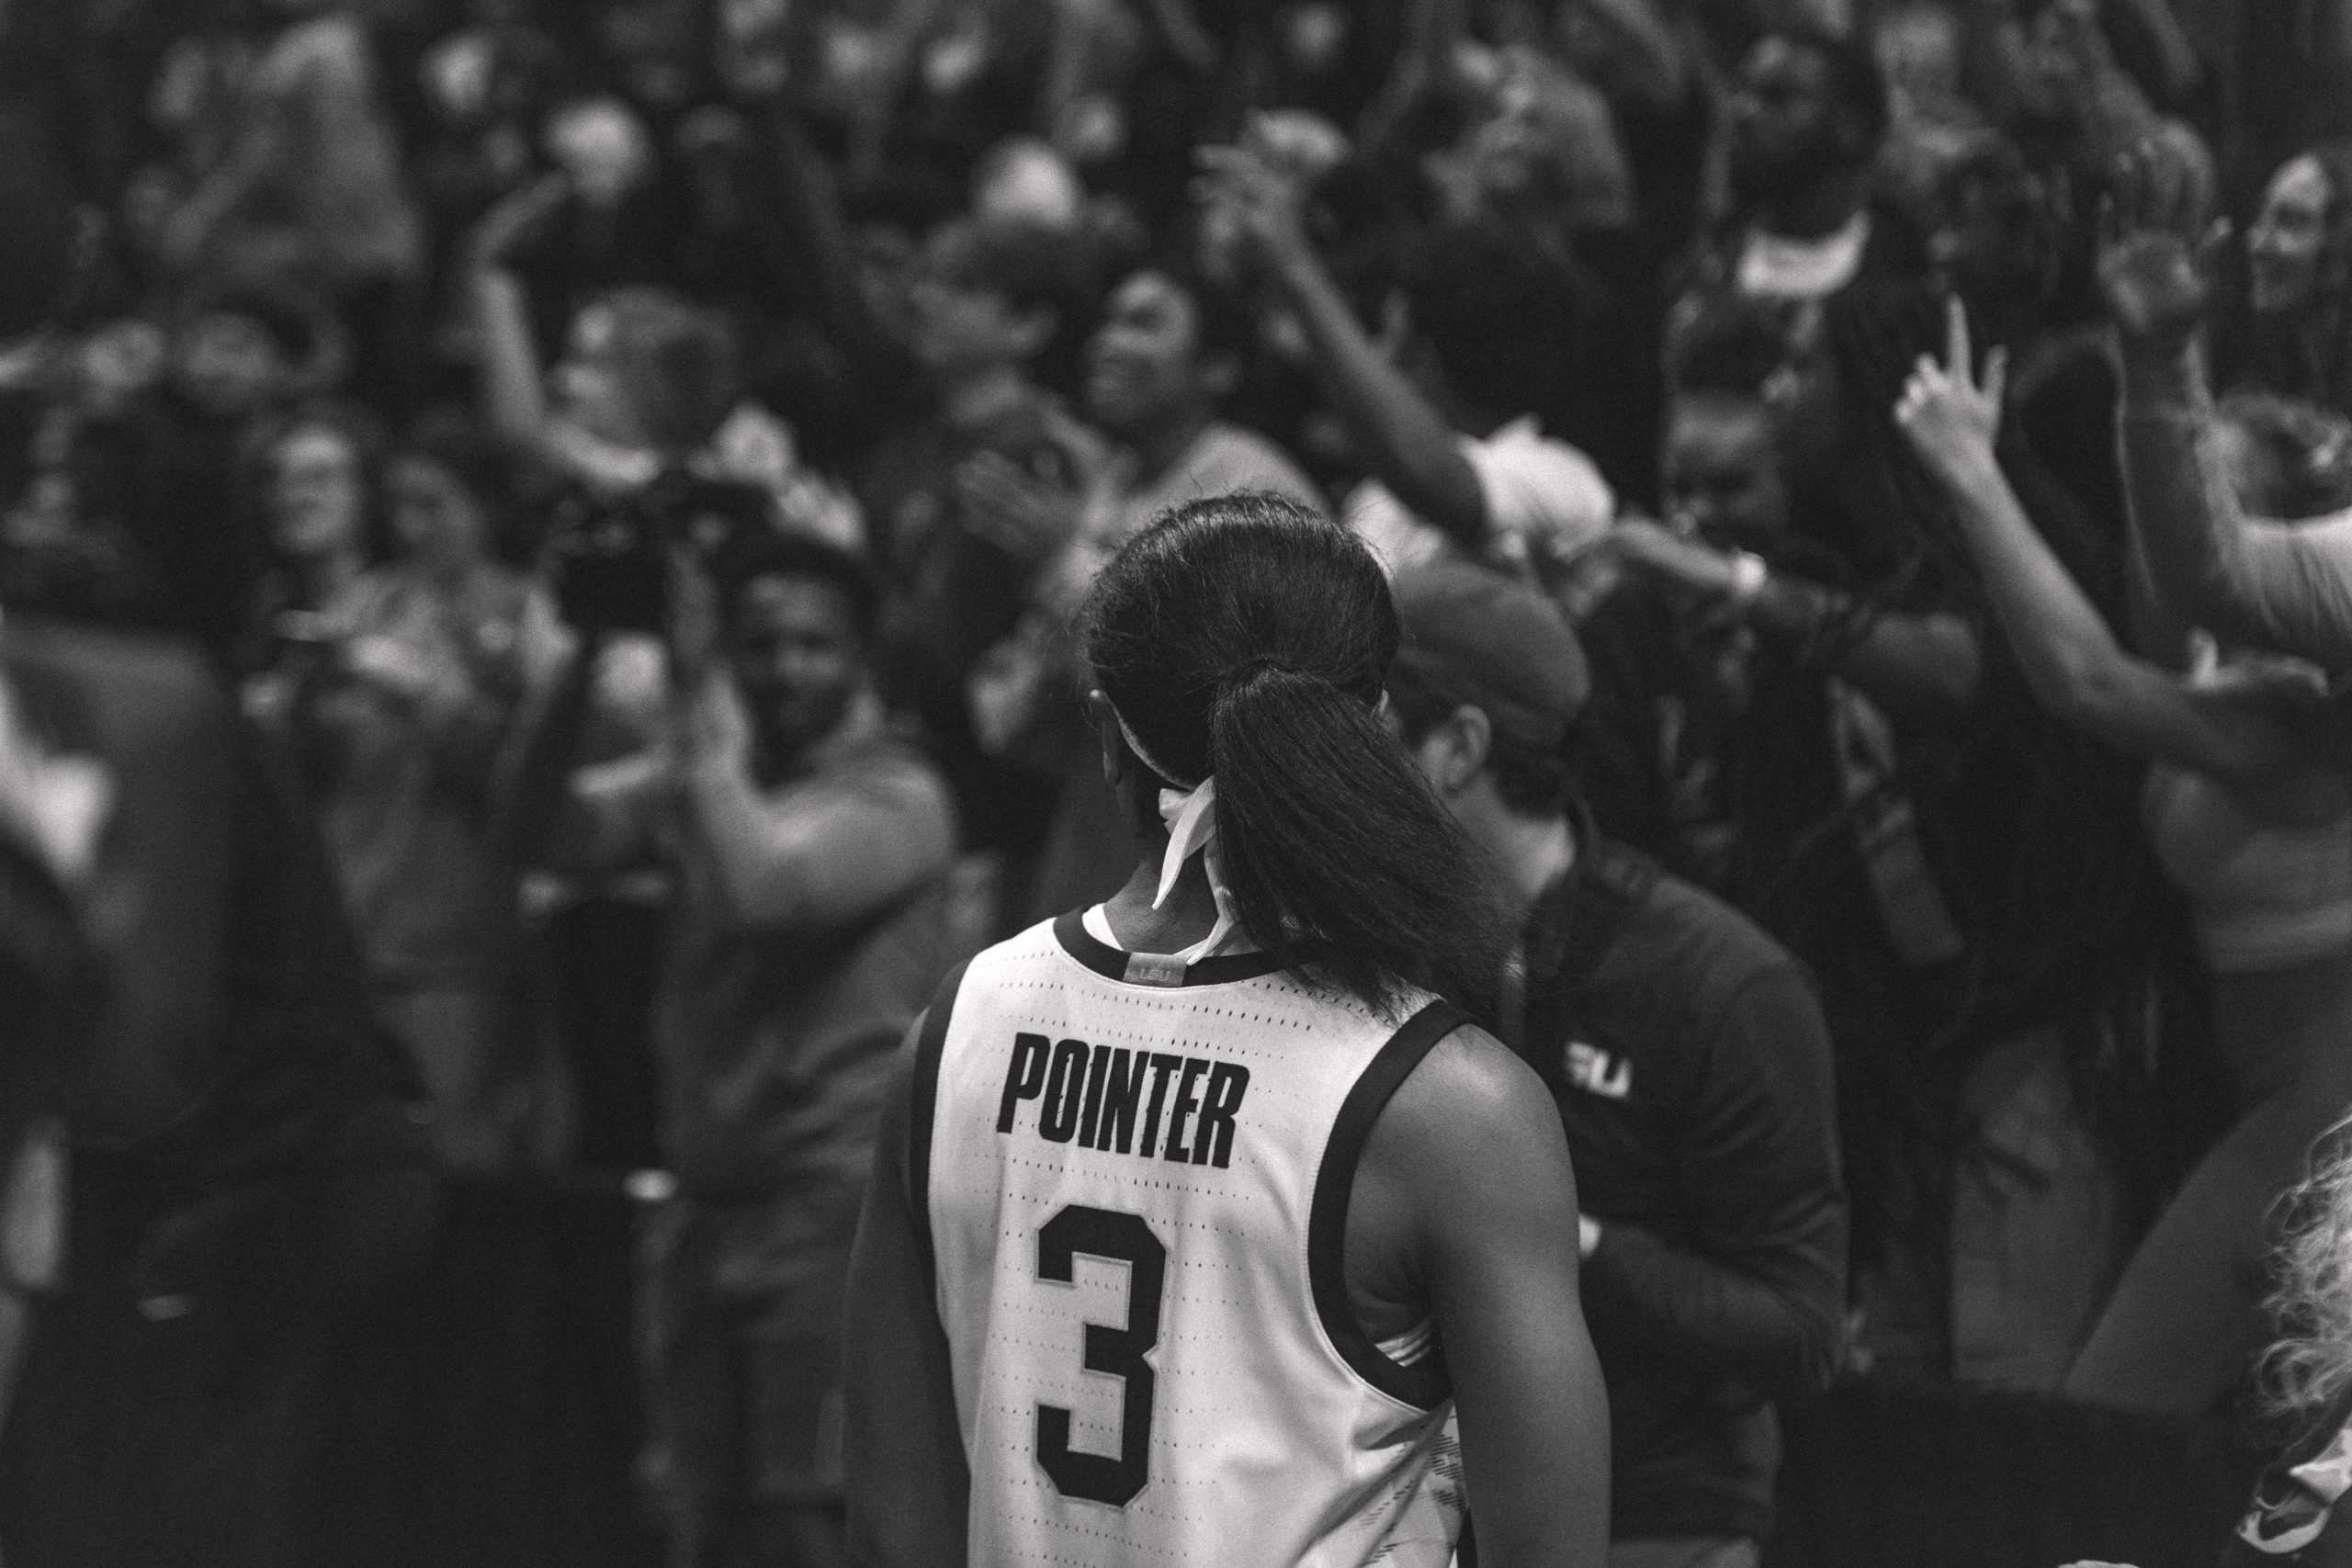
{"x":1023,"y":517}
{"x":1256,"y":204}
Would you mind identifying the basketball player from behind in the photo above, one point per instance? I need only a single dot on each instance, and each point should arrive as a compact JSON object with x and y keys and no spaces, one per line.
{"x":1203,"y":1219}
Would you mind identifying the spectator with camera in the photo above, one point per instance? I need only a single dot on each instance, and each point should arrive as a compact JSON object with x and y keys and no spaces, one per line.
{"x":649,"y":383}
{"x":645,"y":379}
{"x":635,"y":406}
{"x":808,"y":845}
{"x":310,"y":482}
{"x":396,"y":686}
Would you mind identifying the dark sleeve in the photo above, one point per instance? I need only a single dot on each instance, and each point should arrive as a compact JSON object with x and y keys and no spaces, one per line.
{"x":1758,"y":1289}
{"x":51,"y":980}
{"x":909,"y":1485}
{"x":863,"y":381}
{"x":2066,"y":420}
{"x":1613,"y":748}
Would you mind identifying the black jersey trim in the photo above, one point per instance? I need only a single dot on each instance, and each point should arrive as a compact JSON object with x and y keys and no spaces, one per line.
{"x":1423,"y":1385}
{"x":1110,"y":963}
{"x":922,"y":1105}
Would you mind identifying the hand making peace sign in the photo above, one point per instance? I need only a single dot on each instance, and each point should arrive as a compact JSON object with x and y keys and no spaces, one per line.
{"x":1951,"y":418}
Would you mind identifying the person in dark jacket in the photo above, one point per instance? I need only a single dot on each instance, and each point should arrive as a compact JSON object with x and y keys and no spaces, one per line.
{"x":248,"y":1168}
{"x":1686,"y":1055}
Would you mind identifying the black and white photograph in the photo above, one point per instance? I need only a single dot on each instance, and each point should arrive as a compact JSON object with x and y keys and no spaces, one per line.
{"x":1175,"y":783}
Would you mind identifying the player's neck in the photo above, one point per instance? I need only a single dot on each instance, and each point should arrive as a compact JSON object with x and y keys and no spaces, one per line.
{"x":1189,"y":915}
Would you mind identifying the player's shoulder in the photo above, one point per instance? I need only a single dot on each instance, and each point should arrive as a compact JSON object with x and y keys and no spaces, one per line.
{"x":1469,"y":1133}
{"x":1470,"y":1064}
{"x":1469,"y":1087}
{"x":1015,"y":959}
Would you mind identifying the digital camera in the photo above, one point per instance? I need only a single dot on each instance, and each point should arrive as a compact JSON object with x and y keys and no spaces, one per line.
{"x":609,"y":556}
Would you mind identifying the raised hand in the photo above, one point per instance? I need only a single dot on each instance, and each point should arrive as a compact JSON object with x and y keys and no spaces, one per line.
{"x":517,"y":219}
{"x":1653,"y":547}
{"x":710,"y":726}
{"x":1023,"y":517}
{"x":1947,"y":414}
{"x":695,"y":629}
{"x":2079,"y":37}
{"x":1262,"y":207}
{"x":2156,"y":257}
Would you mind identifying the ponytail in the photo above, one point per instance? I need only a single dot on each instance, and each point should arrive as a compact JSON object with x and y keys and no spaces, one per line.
{"x":1243,"y":639}
{"x":1342,"y":862}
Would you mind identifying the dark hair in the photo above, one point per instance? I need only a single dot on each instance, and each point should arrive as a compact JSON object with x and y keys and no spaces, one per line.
{"x":50,"y":980}
{"x":38,"y":204}
{"x":766,"y":552}
{"x":1032,"y":265}
{"x":1499,"y":309}
{"x":1531,"y":780}
{"x":1224,"y":321}
{"x":2308,"y":354}
{"x":1726,"y":403}
{"x":1242,"y":637}
{"x":1034,"y":269}
{"x":1874,"y":507}
{"x":1723,"y":342}
{"x":2134,"y":48}
{"x":451,"y":439}
{"x":448,"y":439}
{"x":2333,"y":156}
{"x":1854,"y":79}
{"x":1994,"y":167}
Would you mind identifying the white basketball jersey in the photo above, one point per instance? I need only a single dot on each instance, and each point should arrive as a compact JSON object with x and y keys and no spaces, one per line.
{"x":1137,"y":1175}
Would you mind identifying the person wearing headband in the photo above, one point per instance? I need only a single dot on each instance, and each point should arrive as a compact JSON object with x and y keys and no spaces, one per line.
{"x":1185,"y":1190}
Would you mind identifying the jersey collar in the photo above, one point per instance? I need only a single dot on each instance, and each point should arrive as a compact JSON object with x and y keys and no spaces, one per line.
{"x":1155,"y":969}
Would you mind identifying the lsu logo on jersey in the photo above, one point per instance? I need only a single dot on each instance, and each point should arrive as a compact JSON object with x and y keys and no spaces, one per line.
{"x":1595,"y":1071}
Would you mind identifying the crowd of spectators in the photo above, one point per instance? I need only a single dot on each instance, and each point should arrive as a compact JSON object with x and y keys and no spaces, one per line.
{"x":633,"y":468}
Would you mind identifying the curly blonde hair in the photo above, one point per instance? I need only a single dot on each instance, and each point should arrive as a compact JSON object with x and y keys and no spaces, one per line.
{"x":2311,"y":1364}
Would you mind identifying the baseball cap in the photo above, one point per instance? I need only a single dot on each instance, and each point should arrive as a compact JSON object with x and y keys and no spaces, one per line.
{"x":1496,"y":642}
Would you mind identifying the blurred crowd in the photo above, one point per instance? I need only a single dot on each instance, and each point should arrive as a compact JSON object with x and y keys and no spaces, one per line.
{"x":632,"y":469}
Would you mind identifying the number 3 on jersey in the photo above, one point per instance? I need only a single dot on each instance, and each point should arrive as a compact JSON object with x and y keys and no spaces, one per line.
{"x":1117,"y":1238}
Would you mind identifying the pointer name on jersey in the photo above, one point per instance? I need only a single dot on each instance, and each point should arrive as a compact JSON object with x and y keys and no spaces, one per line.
{"x":1150,"y":1104}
